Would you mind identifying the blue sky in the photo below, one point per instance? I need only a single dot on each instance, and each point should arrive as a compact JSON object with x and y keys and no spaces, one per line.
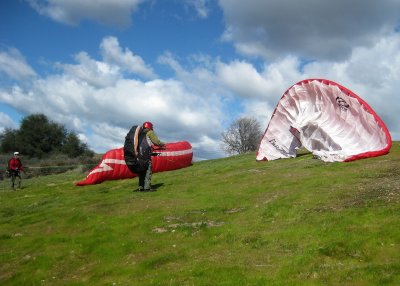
{"x":189,"y":66}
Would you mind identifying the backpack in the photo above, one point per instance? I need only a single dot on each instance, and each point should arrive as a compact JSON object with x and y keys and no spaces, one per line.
{"x":137,"y":151}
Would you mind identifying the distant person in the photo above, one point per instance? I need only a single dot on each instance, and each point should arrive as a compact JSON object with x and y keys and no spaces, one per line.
{"x":138,"y":152}
{"x":14,"y":168}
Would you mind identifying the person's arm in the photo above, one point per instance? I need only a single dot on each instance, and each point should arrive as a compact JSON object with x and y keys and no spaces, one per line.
{"x":154,"y":139}
{"x":21,"y":167}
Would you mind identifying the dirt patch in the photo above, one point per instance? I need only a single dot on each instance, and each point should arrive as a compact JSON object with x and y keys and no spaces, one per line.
{"x":234,"y":210}
{"x":375,"y":195}
{"x":363,"y":198}
{"x":192,"y":225}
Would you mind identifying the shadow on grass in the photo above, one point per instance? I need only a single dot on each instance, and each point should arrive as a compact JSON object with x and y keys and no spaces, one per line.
{"x":156,"y":186}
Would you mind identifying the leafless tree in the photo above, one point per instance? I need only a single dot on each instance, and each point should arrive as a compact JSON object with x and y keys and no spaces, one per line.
{"x":243,"y":135}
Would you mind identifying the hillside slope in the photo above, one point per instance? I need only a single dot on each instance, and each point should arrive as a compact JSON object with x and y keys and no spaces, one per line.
{"x":231,"y":221}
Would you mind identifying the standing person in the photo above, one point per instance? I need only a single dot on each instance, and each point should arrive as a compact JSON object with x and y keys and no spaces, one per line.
{"x":137,"y":153}
{"x":14,"y":168}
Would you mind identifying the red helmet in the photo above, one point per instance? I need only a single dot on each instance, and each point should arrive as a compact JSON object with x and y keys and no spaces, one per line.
{"x":148,"y":125}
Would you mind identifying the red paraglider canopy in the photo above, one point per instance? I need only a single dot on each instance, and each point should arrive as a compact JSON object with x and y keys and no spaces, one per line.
{"x":113,"y":167}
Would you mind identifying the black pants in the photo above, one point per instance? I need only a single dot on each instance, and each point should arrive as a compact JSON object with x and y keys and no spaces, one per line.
{"x":145,"y":177}
{"x":15,"y":175}
{"x":143,"y":168}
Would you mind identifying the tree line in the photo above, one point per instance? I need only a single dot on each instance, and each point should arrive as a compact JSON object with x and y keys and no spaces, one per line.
{"x":39,"y":137}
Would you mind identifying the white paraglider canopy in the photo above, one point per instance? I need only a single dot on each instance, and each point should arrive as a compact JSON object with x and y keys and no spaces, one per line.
{"x":327,"y":119}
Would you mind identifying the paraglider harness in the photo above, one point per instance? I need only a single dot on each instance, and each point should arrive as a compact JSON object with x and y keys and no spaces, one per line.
{"x":137,"y":150}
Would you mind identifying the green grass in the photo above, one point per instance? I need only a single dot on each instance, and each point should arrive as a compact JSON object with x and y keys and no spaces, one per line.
{"x":231,"y":221}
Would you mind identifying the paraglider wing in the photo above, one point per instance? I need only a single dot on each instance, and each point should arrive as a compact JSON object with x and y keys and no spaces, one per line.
{"x":174,"y":156}
{"x":327,"y":119}
{"x":113,"y":167}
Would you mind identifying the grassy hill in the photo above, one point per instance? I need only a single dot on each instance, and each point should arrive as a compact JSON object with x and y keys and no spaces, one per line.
{"x":231,"y":221}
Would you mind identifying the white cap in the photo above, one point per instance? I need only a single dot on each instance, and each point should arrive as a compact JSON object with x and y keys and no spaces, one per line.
{"x":16,"y":153}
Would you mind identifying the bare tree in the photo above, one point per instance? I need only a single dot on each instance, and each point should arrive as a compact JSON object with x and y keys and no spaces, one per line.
{"x":243,"y":135}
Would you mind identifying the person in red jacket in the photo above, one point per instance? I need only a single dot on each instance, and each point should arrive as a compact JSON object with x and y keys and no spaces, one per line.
{"x":14,"y":168}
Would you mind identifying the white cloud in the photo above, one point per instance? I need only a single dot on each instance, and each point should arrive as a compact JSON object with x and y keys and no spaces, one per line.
{"x":95,"y":73}
{"x":243,"y":79}
{"x":108,"y":12}
{"x":14,"y":65}
{"x":200,"y":6}
{"x":207,"y":147}
{"x":6,"y":122}
{"x":311,"y":29}
{"x":93,"y":97}
{"x":106,"y":72}
{"x":113,"y":54}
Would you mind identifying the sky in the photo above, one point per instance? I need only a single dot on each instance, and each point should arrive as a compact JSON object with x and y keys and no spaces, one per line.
{"x":191,"y":67}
